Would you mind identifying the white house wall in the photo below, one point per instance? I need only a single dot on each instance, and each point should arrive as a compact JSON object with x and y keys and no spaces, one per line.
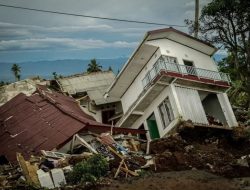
{"x":136,"y":87}
{"x":169,"y":48}
{"x":153,"y":108}
{"x":181,"y":52}
{"x":191,"y":105}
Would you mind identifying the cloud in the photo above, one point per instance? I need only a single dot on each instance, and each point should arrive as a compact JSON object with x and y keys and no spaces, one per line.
{"x":190,"y":4}
{"x":35,"y":31}
{"x":10,"y":31}
{"x":61,"y":43}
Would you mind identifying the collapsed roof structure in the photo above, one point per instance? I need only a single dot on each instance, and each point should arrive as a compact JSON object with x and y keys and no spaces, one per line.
{"x":93,"y":84}
{"x":27,"y":86}
{"x":45,"y":120}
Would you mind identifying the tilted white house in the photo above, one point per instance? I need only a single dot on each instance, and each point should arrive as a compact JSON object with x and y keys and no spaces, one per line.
{"x":172,"y":77}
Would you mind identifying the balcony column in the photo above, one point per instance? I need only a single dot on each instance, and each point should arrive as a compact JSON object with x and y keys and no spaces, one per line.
{"x":227,"y":109}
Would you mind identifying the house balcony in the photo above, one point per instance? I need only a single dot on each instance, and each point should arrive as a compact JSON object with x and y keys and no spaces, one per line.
{"x":167,"y":71}
{"x":162,"y":75}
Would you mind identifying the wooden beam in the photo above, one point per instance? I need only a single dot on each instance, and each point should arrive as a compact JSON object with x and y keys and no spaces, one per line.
{"x":87,"y":145}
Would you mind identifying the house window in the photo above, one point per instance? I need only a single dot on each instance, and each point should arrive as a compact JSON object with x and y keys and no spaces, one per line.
{"x":166,"y":112}
{"x":190,"y":67}
{"x":169,"y":59}
{"x":170,"y":63}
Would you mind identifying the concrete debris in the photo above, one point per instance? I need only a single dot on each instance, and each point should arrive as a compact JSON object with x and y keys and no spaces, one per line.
{"x":27,"y":86}
{"x":242,"y":162}
{"x":218,"y":151}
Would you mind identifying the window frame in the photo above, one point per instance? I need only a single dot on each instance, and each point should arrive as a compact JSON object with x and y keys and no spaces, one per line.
{"x":168,"y":110}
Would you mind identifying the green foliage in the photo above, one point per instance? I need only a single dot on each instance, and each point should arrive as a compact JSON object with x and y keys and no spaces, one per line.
{"x":89,"y":170}
{"x":237,"y":95}
{"x":93,"y":66}
{"x":55,"y":76}
{"x":2,"y":83}
{"x":16,"y":69}
{"x":226,"y":24}
{"x":144,"y":173}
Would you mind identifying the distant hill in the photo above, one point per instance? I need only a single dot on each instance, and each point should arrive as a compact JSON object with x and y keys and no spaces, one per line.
{"x":44,"y":69}
{"x":66,"y":67}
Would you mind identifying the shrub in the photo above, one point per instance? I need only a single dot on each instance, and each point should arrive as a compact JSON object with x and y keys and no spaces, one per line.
{"x":89,"y":170}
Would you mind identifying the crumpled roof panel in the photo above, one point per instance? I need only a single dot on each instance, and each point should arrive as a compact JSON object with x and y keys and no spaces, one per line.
{"x":45,"y":120}
{"x":95,"y":84}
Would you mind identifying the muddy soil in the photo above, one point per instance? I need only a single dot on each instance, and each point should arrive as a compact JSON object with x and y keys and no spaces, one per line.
{"x":188,"y":180}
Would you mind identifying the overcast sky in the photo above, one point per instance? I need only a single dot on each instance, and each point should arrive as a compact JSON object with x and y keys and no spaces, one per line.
{"x":30,"y":36}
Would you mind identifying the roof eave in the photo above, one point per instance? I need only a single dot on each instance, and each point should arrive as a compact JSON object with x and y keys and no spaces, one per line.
{"x":126,"y":64}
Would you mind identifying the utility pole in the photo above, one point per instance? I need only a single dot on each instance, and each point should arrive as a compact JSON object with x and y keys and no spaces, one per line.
{"x":196,"y":22}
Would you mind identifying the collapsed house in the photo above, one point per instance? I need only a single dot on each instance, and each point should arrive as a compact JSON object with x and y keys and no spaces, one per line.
{"x":45,"y":120}
{"x":172,"y":77}
{"x":89,"y":89}
{"x":27,"y":86}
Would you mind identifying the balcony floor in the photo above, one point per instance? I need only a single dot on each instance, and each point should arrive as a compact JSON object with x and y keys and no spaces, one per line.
{"x":190,"y":80}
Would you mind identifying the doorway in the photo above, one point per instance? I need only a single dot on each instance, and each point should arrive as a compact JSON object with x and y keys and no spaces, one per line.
{"x":106,"y":115}
{"x":212,"y":108}
{"x":152,"y":127}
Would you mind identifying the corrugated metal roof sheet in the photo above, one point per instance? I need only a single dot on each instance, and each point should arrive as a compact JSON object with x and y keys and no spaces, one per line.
{"x":95,"y":84}
{"x":43,"y":121}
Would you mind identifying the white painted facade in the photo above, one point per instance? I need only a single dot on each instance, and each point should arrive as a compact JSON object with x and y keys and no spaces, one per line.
{"x":181,"y":52}
{"x":186,"y":100}
{"x":172,"y":49}
{"x":136,"y":87}
{"x":153,"y":108}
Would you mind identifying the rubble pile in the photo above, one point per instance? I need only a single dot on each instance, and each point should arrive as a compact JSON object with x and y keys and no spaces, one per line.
{"x":219,"y":151}
{"x":51,"y":170}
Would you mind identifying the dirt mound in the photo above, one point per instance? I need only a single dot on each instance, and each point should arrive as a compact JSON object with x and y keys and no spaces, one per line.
{"x":225,"y":153}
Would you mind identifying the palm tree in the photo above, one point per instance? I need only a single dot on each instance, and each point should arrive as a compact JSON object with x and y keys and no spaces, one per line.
{"x":16,"y":69}
{"x":55,"y":75}
{"x":93,"y":66}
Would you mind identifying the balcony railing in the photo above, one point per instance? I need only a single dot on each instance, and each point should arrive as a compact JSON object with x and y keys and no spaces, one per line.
{"x":164,"y":64}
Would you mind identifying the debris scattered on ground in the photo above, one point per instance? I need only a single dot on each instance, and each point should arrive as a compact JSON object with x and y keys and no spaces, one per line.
{"x":222,"y":152}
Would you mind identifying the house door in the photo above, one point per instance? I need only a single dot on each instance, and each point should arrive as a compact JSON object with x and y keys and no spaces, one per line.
{"x":152,"y":127}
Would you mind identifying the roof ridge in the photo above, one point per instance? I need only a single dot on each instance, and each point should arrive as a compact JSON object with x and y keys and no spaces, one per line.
{"x":84,"y":74}
{"x":67,"y":110}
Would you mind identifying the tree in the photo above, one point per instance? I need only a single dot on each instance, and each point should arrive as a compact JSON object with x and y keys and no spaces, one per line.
{"x":93,"y":66}
{"x":55,"y":75}
{"x":110,"y":68}
{"x":2,"y":83}
{"x":226,"y":24}
{"x":16,"y":69}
